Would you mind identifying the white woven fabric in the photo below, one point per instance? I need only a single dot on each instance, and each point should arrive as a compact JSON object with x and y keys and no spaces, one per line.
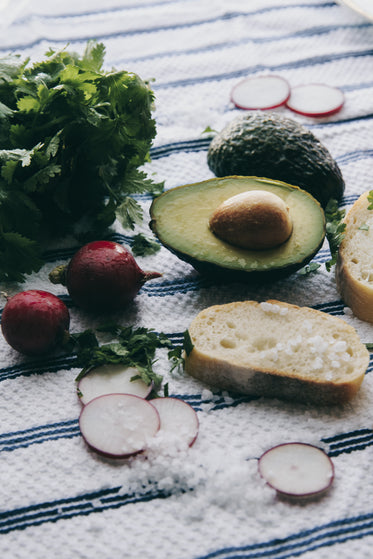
{"x":60,"y":500}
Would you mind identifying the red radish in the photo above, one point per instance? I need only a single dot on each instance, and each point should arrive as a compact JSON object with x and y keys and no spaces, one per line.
{"x":35,"y":322}
{"x":118,"y":425}
{"x":297,"y":469}
{"x":102,"y":276}
{"x":110,"y":379}
{"x":315,"y":100}
{"x":261,"y":92}
{"x":177,"y":418}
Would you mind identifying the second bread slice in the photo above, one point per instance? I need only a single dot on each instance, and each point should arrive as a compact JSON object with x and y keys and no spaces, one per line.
{"x":354,"y":268}
{"x":278,"y":350}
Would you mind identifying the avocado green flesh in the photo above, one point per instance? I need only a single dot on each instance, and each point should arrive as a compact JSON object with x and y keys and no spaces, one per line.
{"x":180,"y":219}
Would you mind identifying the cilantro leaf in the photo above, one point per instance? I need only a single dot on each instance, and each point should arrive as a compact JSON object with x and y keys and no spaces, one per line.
{"x":129,"y":213}
{"x":370,"y":200}
{"x":72,"y":140}
{"x":188,"y":344}
{"x":335,"y":228}
{"x":144,"y":246}
{"x":18,"y":256}
{"x":309,"y":268}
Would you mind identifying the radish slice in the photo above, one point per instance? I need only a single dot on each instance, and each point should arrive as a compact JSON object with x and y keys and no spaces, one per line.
{"x":118,"y":425}
{"x":177,"y":418}
{"x":261,"y":92}
{"x":315,"y":100}
{"x":111,"y":379}
{"x":297,"y":469}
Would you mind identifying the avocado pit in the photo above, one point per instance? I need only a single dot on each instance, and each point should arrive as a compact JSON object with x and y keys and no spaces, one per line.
{"x":255,"y":220}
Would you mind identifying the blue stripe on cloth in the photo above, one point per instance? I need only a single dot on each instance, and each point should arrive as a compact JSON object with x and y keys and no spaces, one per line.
{"x":141,"y":5}
{"x":35,"y":515}
{"x":170,"y":288}
{"x":37,"y":435}
{"x":28,"y":368}
{"x":67,"y":362}
{"x":337,"y":444}
{"x":159,"y":28}
{"x":99,"y":11}
{"x":293,"y":545}
{"x":302,"y":63}
{"x":310,"y":32}
{"x":202,"y":144}
{"x":325,"y":535}
{"x":349,"y":442}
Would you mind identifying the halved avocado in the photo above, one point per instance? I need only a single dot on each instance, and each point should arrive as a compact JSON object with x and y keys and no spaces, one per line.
{"x":180,"y":220}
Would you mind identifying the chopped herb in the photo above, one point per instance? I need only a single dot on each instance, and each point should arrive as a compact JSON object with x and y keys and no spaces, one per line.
{"x":370,"y":200}
{"x":335,"y":228}
{"x":210,"y":131}
{"x":309,"y":268}
{"x":144,"y":246}
{"x":72,"y":140}
{"x":175,"y":355}
{"x":165,"y":390}
{"x":188,"y":344}
{"x":364,"y":227}
{"x":369,"y":346}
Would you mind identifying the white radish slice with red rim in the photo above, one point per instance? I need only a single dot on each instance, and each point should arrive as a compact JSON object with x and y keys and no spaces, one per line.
{"x":118,"y":425}
{"x":177,"y":419}
{"x":111,"y":379}
{"x":315,"y":100}
{"x":297,"y":469}
{"x":260,"y":92}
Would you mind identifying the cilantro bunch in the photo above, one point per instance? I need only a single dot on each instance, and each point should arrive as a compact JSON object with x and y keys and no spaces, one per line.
{"x":72,"y":139}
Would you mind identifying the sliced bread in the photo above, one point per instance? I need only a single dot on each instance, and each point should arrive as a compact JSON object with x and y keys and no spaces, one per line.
{"x":278,"y":350}
{"x":354,"y":267}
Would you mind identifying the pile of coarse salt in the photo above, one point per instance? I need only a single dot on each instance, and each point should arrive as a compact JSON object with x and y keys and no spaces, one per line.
{"x":204,"y":473}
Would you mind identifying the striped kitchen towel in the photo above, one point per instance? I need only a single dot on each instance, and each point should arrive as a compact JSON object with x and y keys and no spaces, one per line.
{"x":60,"y":500}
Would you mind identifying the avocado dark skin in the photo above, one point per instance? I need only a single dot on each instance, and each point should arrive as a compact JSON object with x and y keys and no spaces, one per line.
{"x":272,"y":146}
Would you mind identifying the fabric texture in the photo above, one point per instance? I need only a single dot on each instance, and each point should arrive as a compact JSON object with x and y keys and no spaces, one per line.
{"x":58,"y":499}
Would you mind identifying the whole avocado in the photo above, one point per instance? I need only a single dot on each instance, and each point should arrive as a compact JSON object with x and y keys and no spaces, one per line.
{"x":272,"y":146}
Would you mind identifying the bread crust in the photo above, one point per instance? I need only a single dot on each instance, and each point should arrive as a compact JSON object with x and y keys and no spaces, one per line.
{"x":356,"y":293}
{"x":231,"y":375}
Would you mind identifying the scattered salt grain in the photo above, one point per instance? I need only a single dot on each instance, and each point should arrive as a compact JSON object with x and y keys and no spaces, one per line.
{"x":273,"y":308}
{"x":207,"y":406}
{"x":166,"y":484}
{"x":318,"y":344}
{"x":95,"y":524}
{"x":345,"y":357}
{"x":206,"y":395}
{"x":317,"y":364}
{"x":339,"y":346}
{"x":227,"y":398}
